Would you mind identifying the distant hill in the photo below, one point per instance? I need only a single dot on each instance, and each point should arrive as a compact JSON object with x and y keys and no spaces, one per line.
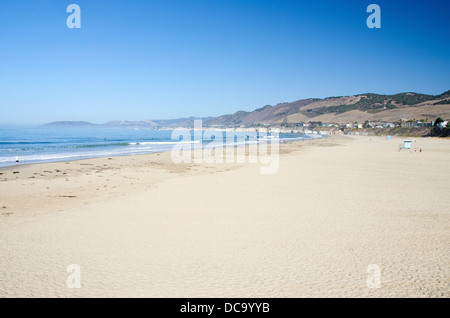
{"x":168,"y":123}
{"x":344,"y":109}
{"x":135,"y":124}
{"x":181,"y":122}
{"x":146,"y":124}
{"x":70,"y":124}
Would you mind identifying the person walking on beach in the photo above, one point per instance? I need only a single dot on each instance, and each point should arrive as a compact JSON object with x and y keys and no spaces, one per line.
{"x":17,"y":160}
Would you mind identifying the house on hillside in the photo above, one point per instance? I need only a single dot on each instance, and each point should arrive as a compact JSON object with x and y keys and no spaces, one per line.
{"x":416,"y":124}
{"x":442,"y":124}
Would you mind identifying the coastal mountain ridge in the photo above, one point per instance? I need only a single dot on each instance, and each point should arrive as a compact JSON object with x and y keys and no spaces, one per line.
{"x":336,"y":109}
{"x":344,"y":109}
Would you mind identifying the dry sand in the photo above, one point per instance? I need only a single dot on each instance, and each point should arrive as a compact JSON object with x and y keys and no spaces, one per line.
{"x":143,"y":226}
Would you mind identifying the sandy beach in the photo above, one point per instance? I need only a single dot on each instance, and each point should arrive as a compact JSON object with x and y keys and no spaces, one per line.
{"x":143,"y":226}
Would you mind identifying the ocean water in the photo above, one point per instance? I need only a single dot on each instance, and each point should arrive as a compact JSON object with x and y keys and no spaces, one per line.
{"x":42,"y":144}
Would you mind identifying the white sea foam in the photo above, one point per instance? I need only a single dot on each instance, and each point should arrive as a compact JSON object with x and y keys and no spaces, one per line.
{"x":163,"y":142}
{"x":62,"y":151}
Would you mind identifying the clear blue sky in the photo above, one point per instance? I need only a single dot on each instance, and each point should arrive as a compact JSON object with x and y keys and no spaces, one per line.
{"x":160,"y":59}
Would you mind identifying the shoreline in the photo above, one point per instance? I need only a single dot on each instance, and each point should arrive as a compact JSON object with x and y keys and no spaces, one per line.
{"x":203,"y":143}
{"x":160,"y":164}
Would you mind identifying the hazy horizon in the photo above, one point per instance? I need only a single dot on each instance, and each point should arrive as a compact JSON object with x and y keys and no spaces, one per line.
{"x":158,"y":119}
